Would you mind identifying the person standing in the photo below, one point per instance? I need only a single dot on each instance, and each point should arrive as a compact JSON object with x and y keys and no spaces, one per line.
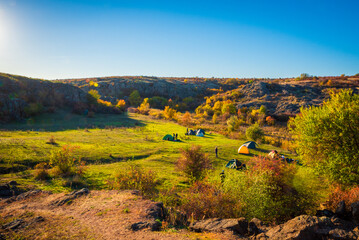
{"x":216,"y":151}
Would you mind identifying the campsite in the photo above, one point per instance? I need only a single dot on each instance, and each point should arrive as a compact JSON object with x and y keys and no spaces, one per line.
{"x":190,"y":120}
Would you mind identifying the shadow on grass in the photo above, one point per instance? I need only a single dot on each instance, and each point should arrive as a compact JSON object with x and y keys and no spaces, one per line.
{"x":65,"y":120}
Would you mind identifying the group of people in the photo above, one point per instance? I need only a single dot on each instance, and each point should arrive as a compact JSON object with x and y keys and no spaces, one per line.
{"x":175,"y":136}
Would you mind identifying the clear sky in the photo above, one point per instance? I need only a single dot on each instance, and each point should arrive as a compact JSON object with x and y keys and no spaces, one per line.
{"x":55,"y":39}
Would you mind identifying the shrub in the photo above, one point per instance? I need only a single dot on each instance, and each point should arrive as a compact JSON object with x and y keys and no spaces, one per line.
{"x":169,"y":113}
{"x":63,"y":160}
{"x":349,"y":196}
{"x":135,"y":98}
{"x":266,"y":191}
{"x":193,"y":162}
{"x":254,"y":132}
{"x":327,"y":137}
{"x":233,"y":123}
{"x":270,"y":120}
{"x":206,"y":200}
{"x":94,"y":93}
{"x":186,"y":119}
{"x":134,"y":177}
{"x":121,"y":104}
{"x":144,"y":108}
{"x":52,"y":141}
{"x":41,"y":172}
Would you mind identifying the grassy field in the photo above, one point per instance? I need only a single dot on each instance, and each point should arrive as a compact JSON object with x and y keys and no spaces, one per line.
{"x":107,"y":143}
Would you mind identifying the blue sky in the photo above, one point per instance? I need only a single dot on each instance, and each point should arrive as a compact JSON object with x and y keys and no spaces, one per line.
{"x":244,"y":38}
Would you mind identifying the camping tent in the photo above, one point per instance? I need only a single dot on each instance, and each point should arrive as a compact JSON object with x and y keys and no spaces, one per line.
{"x":168,"y":137}
{"x":235,"y":164}
{"x":251,"y":144}
{"x":201,"y":131}
{"x":243,"y":149}
{"x":191,"y":132}
{"x":199,"y":134}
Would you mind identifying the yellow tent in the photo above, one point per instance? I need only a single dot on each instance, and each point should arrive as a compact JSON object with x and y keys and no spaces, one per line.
{"x":243,"y":149}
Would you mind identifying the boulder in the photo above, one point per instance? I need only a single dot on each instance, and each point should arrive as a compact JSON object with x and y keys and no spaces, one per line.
{"x":9,"y":189}
{"x":341,"y":211}
{"x":239,"y":226}
{"x":355,"y":211}
{"x":311,"y":227}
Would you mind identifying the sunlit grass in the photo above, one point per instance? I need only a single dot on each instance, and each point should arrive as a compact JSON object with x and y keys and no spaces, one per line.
{"x":108,"y":148}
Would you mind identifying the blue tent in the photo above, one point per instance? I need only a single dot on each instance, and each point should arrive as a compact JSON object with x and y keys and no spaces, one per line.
{"x":251,"y":144}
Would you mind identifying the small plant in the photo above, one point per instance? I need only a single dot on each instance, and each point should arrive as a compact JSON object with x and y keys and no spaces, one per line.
{"x":134,"y":177}
{"x":193,"y":162}
{"x":52,"y":141}
{"x":254,"y":132}
{"x":41,"y":172}
{"x":64,"y":160}
{"x":126,"y":210}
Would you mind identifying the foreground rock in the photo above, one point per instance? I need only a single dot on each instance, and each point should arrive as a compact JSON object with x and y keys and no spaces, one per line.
{"x":70,"y":197}
{"x":9,"y":189}
{"x":312,"y":228}
{"x":237,"y":225}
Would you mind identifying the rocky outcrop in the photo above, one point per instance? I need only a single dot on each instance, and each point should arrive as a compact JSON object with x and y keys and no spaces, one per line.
{"x":239,"y":226}
{"x":312,"y":228}
{"x":17,"y":92}
{"x":68,"y":198}
{"x":121,"y":87}
{"x":9,"y":189}
{"x":280,"y":99}
{"x":155,"y":213}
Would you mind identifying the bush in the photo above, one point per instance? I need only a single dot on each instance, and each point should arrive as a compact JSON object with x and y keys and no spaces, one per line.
{"x":64,"y":161}
{"x":349,"y":196}
{"x":121,"y":104}
{"x":169,"y":113}
{"x":327,"y":137}
{"x":266,"y":190}
{"x":193,"y":162}
{"x":233,"y":123}
{"x":134,"y":177}
{"x":135,"y":98}
{"x":186,"y":119}
{"x":41,"y":172}
{"x":144,"y":108}
{"x":206,"y":200}
{"x":254,"y":132}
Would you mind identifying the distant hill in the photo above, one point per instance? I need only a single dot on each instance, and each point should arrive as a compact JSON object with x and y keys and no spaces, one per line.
{"x":21,"y":97}
{"x":282,"y":97}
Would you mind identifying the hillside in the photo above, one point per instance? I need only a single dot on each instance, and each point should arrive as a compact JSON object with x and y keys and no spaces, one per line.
{"x":282,"y":97}
{"x":22,"y":97}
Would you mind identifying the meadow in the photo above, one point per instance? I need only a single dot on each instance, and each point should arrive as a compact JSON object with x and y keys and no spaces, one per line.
{"x":107,"y":143}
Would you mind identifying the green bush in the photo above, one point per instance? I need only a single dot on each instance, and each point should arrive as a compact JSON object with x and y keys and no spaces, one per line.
{"x":64,"y":161}
{"x":135,"y":98}
{"x":327,"y":137}
{"x":266,"y":190}
{"x":254,"y":132}
{"x":233,"y":123}
{"x":134,"y":177}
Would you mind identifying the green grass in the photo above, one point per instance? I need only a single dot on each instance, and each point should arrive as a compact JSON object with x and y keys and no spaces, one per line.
{"x":113,"y":142}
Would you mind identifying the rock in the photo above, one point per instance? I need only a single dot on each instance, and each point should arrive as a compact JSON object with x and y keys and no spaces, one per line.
{"x":324,"y":213}
{"x":156,"y":211}
{"x":139,"y":225}
{"x":16,"y":224}
{"x":9,"y":189}
{"x":153,"y":225}
{"x":341,"y":210}
{"x":355,"y":211}
{"x":219,"y":225}
{"x":311,"y":227}
{"x":69,"y":197}
{"x":254,"y":226}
